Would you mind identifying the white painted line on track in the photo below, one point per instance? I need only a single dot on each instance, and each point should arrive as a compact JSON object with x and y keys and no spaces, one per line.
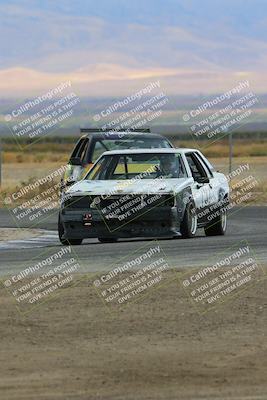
{"x":47,"y":238}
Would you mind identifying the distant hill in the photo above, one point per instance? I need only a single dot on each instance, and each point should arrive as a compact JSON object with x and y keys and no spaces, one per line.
{"x":170,"y":122}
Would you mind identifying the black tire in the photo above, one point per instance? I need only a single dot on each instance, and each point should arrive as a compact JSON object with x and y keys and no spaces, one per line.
{"x":189,"y":223}
{"x":60,"y":230}
{"x":75,"y":242}
{"x":107,"y":240}
{"x":66,"y":242}
{"x":217,"y":226}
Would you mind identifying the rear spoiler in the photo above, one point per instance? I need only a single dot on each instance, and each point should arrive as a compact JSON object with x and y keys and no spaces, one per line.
{"x":88,"y":130}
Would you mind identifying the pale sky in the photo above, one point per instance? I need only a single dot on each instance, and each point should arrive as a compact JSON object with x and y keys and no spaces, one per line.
{"x":113,"y":47}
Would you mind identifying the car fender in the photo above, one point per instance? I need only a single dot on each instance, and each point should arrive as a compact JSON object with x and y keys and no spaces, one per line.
{"x":184,"y":197}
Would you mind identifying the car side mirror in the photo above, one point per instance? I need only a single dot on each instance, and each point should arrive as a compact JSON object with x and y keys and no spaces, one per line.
{"x":75,"y":161}
{"x":202,"y":179}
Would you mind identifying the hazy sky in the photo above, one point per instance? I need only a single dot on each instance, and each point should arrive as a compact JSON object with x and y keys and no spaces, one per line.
{"x":112,"y":47}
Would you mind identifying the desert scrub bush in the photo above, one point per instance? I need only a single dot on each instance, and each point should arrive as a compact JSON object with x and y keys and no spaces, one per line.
{"x":9,"y":157}
{"x":19,"y":158}
{"x":39,"y":158}
{"x":31,"y":189}
{"x":59,"y":157}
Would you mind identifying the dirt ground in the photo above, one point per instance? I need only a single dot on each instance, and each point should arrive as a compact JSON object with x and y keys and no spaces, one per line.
{"x":158,"y":348}
{"x":18,"y":234}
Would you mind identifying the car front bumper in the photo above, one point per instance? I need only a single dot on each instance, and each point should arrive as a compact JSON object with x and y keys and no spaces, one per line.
{"x":158,"y":222}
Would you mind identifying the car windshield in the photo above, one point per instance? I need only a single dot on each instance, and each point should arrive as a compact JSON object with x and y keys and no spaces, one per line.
{"x":128,"y":143}
{"x":141,"y":166}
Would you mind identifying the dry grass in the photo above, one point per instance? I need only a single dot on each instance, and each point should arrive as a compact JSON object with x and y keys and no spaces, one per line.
{"x":38,"y":157}
{"x":42,"y":147}
{"x":16,"y":175}
{"x":37,"y":153}
{"x":52,"y":152}
{"x":37,"y":160}
{"x":241,"y":148}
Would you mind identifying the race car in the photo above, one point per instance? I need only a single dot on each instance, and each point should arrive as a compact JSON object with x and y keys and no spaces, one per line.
{"x":95,"y":141}
{"x":145,"y":193}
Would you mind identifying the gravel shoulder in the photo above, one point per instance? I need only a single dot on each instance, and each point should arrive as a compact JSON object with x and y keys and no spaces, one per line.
{"x":18,"y":233}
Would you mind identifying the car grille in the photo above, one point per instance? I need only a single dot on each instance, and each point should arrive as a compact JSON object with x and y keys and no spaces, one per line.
{"x":117,"y":201}
{"x":136,"y":200}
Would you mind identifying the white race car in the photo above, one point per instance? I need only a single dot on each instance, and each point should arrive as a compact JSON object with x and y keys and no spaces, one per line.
{"x":145,"y":193}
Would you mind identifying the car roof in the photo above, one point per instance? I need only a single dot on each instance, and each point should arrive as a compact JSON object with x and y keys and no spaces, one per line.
{"x":122,"y":134}
{"x":152,"y":151}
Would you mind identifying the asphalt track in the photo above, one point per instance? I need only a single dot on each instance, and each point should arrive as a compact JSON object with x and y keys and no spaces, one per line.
{"x":244,"y":224}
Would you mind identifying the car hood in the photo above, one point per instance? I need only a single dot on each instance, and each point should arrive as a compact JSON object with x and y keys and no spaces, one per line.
{"x":113,"y":187}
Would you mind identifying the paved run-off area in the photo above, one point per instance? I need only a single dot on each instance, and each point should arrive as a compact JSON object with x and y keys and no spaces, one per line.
{"x":246,"y":224}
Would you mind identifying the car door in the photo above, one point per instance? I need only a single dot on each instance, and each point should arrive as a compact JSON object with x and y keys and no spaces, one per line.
{"x":201,"y":191}
{"x":214,"y":184}
{"x":77,"y":162}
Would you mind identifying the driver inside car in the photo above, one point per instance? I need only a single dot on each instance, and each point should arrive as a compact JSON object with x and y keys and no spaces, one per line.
{"x":168,"y":168}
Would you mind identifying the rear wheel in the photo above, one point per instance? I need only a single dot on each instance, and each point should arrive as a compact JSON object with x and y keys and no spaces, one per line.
{"x":107,"y":240}
{"x":189,"y":222}
{"x":66,"y":242}
{"x":217,"y":226}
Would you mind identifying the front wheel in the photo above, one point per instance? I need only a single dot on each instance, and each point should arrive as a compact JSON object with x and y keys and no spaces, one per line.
{"x":189,"y":222}
{"x":217,"y":226}
{"x":66,"y":242}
